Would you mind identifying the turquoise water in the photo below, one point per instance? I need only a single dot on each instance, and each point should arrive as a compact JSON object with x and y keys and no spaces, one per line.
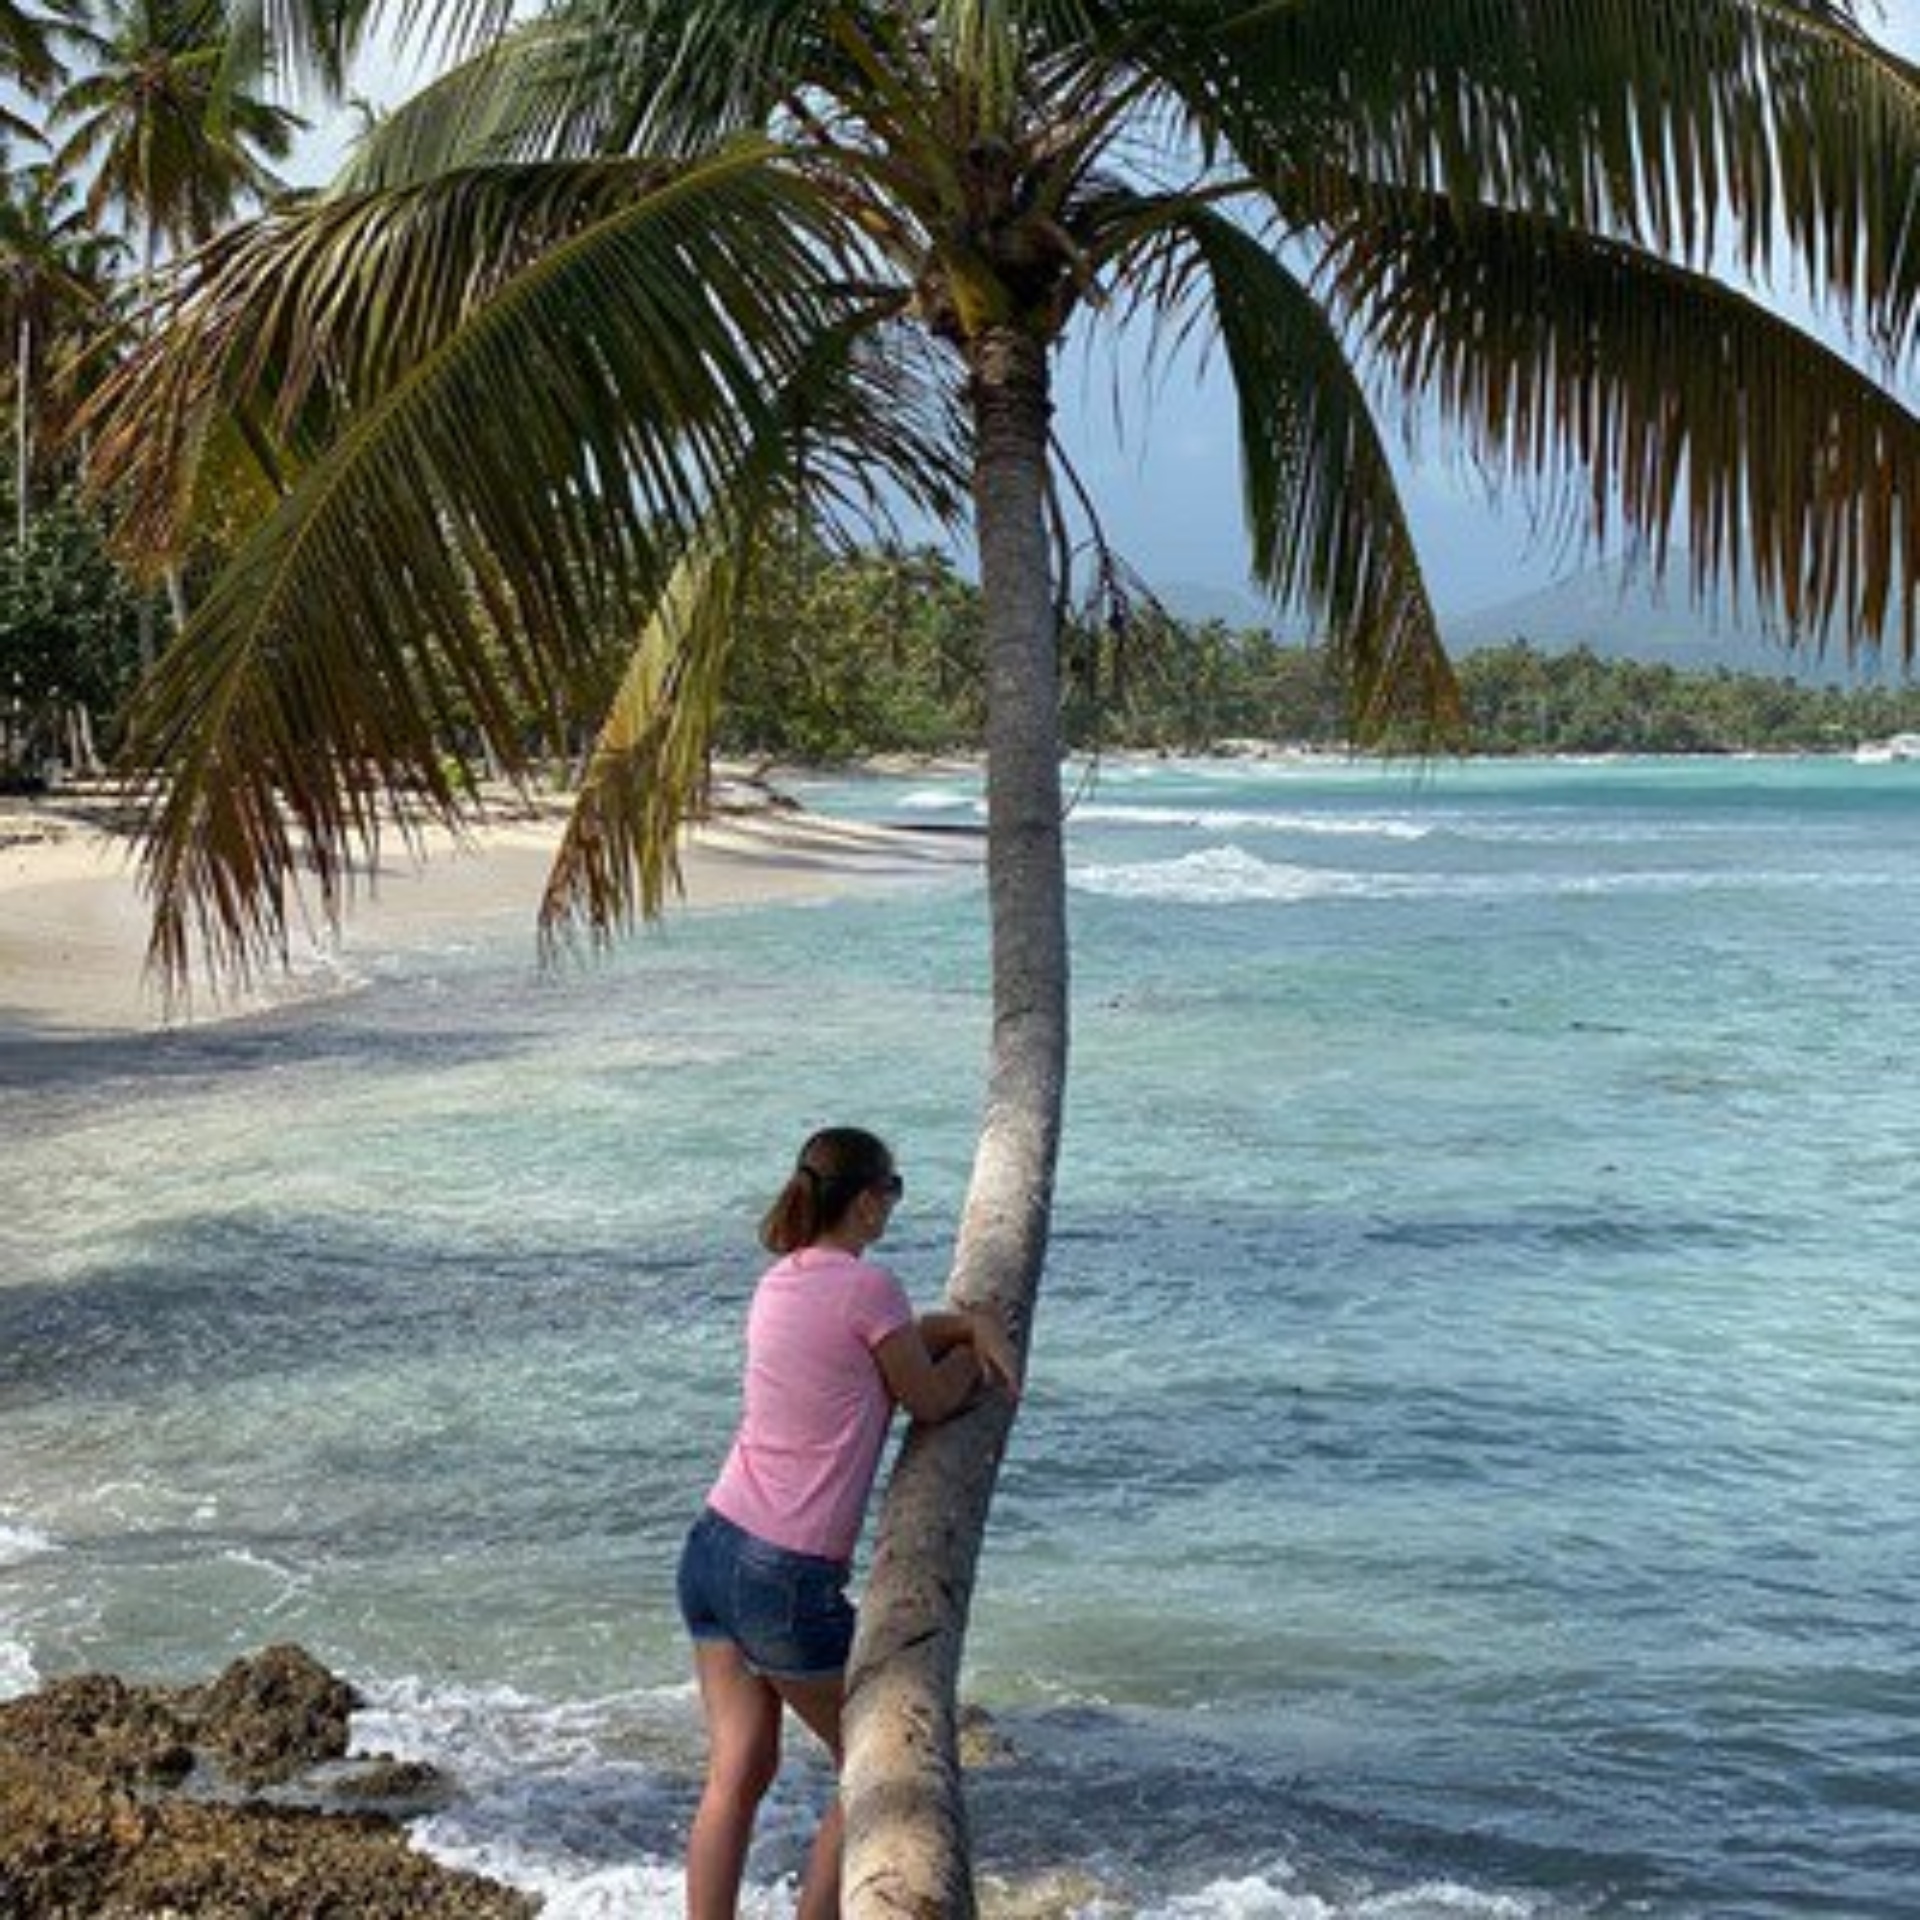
{"x":1469,"y":1467}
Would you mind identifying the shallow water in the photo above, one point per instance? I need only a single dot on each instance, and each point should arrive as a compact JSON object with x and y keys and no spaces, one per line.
{"x":1468,"y":1466}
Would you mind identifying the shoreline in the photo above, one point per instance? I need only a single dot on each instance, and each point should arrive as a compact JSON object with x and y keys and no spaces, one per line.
{"x":74,"y":926}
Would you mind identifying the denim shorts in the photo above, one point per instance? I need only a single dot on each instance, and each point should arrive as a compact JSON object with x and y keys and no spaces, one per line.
{"x":787,"y":1612}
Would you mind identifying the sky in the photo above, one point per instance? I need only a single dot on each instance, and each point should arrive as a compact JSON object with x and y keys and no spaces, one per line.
{"x":1157,"y":453}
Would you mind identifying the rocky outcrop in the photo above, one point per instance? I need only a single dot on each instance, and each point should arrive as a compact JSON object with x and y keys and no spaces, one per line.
{"x":121,"y":1802}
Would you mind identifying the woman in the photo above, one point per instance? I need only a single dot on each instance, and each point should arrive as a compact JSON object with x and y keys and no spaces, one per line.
{"x":832,"y":1347}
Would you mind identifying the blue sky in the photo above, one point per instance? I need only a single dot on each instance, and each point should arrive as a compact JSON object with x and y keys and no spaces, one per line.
{"x":1167,"y":482}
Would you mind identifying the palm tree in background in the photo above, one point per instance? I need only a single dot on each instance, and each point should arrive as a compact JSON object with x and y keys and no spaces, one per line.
{"x":169,"y":146}
{"x":165,"y":143}
{"x":641,"y":276}
{"x":55,"y":293}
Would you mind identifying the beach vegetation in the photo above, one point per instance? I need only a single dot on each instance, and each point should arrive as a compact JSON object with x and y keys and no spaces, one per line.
{"x":1524,"y":700}
{"x":133,"y":138}
{"x":56,"y":302}
{"x":634,"y":283}
{"x":69,"y":643}
{"x":1163,"y":684}
{"x":63,"y":670}
{"x":836,"y":654}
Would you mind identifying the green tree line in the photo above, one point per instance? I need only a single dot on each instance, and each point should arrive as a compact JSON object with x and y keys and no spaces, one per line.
{"x":879,"y":652}
{"x":844,"y":654}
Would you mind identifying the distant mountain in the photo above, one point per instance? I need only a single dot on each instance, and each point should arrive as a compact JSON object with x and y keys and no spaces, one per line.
{"x":1196,"y":601}
{"x":1622,"y":615}
{"x":1199,"y":602}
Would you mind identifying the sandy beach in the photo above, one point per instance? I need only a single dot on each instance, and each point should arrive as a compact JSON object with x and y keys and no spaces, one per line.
{"x":73,"y":924}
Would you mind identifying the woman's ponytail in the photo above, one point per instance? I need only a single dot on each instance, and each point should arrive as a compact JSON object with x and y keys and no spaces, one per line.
{"x":835,"y":1167}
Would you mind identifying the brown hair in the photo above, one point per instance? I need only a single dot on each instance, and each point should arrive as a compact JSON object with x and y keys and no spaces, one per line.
{"x":835,"y":1168}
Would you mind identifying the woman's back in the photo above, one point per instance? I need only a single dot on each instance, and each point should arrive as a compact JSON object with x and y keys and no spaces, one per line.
{"x":815,"y":1406}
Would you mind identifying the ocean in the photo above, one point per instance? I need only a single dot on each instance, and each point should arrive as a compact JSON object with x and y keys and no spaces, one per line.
{"x":1469,"y":1462}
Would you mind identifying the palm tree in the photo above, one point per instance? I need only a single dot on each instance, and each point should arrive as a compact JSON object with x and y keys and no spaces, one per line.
{"x":163,"y":139}
{"x":168,"y":143}
{"x":637,"y":278}
{"x":55,"y":287}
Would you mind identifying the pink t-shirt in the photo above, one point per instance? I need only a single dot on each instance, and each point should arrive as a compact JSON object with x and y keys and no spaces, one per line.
{"x":803,"y":1460}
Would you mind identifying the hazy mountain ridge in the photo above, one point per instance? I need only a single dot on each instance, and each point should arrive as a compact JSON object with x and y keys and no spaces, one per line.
{"x":1622,"y":614}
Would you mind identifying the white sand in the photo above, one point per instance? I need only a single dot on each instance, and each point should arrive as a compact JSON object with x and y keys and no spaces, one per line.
{"x":73,"y":925}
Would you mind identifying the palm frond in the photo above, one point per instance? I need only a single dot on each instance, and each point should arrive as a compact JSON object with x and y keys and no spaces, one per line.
{"x":605,"y":77}
{"x":295,"y":321}
{"x":542,"y":92}
{"x":1776,"y":130}
{"x":461,"y":548}
{"x":853,"y":427}
{"x":1324,"y":514}
{"x":1680,"y":406}
{"x":618,"y":860}
{"x":28,"y":53}
{"x":311,"y":44}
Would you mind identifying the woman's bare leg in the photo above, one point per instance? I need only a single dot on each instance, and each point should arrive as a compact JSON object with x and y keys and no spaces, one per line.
{"x":818,"y":1703}
{"x":743,"y":1755}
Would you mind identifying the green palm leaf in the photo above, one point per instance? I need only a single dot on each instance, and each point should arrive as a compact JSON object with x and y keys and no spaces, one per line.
{"x":604,"y":77}
{"x":1681,"y":405}
{"x":293,"y":321}
{"x":1324,"y":515}
{"x":852,"y":419}
{"x":456,"y":549}
{"x":619,"y":858}
{"x":1775,"y":126}
{"x":543,"y":92}
{"x":27,"y":47}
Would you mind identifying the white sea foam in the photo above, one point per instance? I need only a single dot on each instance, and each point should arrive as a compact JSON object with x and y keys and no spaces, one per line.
{"x":1277,"y":1895}
{"x":19,"y":1542}
{"x":1242,"y":820}
{"x":551,"y":1798}
{"x":288,"y":1584}
{"x":940,"y":800}
{"x":1220,"y":876}
{"x":554,"y":1799}
{"x":18,"y":1674}
{"x":1230,"y":875}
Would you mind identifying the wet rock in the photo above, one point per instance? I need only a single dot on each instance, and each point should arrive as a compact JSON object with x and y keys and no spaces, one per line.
{"x":401,"y":1787}
{"x":102,"y":1726}
{"x":94,"y":1821}
{"x":272,"y":1716}
{"x":982,"y":1744}
{"x":266,"y":1718}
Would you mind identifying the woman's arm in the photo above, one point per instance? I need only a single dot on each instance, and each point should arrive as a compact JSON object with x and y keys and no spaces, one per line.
{"x":931,"y":1387}
{"x":982,"y":1329}
{"x":935,"y":1366}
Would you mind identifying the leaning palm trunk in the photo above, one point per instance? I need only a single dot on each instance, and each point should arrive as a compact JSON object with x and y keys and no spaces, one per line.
{"x":907,"y":1849}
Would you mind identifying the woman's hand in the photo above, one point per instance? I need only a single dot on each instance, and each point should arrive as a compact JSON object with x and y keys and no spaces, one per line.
{"x":974,"y":1339}
{"x":993,"y":1349}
